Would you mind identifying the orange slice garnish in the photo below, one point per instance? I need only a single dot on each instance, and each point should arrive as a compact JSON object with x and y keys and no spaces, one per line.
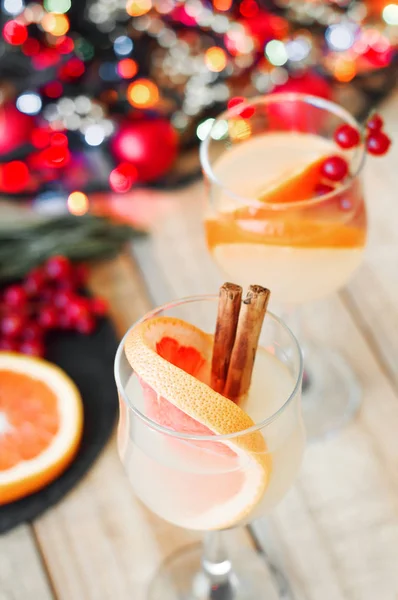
{"x":172,"y":359}
{"x":294,"y":185}
{"x":41,"y":420}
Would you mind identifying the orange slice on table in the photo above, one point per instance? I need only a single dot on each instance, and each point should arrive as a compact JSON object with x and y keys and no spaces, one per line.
{"x":294,"y":185}
{"x":172,"y":359}
{"x":41,"y":421}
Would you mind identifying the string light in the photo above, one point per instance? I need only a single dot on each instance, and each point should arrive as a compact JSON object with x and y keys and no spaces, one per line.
{"x":390,"y":14}
{"x":127,"y":68}
{"x":56,"y":24}
{"x":29,"y":103}
{"x":143,"y":93}
{"x":204,"y":128}
{"x":57,"y":6}
{"x":14,"y":33}
{"x":138,"y":8}
{"x":123,"y":45}
{"x":344,"y":70}
{"x":276,"y":53}
{"x":13,"y":7}
{"x":216,"y":59}
{"x":94,"y":135}
{"x":222,"y":5}
{"x":78,"y":203}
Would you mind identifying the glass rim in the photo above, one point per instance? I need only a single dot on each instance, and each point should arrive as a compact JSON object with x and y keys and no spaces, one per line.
{"x":215,"y":437}
{"x":328,"y":105}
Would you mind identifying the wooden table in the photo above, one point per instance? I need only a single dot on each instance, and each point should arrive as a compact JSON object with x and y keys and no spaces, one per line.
{"x":336,"y":532}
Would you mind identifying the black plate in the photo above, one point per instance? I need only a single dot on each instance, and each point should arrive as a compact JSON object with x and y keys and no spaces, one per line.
{"x":88,"y":360}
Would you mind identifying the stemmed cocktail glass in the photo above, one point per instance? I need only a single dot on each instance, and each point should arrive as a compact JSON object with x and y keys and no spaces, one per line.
{"x":270,"y":220}
{"x":187,"y":474}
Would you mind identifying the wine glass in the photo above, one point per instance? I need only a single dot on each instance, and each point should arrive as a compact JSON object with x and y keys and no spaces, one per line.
{"x":270,"y":220}
{"x":208,"y":482}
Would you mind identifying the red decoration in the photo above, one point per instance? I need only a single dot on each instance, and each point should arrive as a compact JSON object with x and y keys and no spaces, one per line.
{"x":308,"y":83}
{"x":123,"y":177}
{"x":14,"y":177}
{"x":14,"y":33}
{"x":300,"y":117}
{"x":15,"y":128}
{"x":263,"y":26}
{"x":151,"y":146}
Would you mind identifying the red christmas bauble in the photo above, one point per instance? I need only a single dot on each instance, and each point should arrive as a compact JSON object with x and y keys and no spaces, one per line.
{"x":15,"y":128}
{"x":151,"y":146}
{"x":300,"y":116}
{"x":307,"y":83}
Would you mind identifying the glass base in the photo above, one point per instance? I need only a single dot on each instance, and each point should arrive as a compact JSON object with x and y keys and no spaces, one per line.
{"x":331,"y":392}
{"x":252,"y":578}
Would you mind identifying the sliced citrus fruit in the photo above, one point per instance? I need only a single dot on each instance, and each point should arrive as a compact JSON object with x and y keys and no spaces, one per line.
{"x":41,"y":419}
{"x":172,"y":359}
{"x":293,"y":185}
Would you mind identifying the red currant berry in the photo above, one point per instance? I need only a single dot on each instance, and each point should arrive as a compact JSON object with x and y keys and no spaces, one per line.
{"x":375,"y":123}
{"x":63,"y":298}
{"x":15,"y":296}
{"x":34,"y":282}
{"x":78,"y":308}
{"x":334,"y":168}
{"x":378,"y":143}
{"x":58,"y":268}
{"x":32,"y":331}
{"x":32,"y":347}
{"x":81,"y":273}
{"x":12,"y":325}
{"x":322,"y":189}
{"x":65,"y":321}
{"x":9,"y":345}
{"x":47,"y":317}
{"x":99,"y":307}
{"x":346,"y":136}
{"x":85,"y":324}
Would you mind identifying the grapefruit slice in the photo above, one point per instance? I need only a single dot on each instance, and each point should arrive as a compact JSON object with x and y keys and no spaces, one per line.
{"x":41,"y":419}
{"x":294,"y":185}
{"x":172,"y":359}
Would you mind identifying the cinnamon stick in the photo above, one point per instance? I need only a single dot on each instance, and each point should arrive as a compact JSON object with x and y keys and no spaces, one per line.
{"x":243,"y":355}
{"x":227,"y":320}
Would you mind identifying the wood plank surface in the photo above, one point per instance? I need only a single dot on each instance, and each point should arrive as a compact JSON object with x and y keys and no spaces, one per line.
{"x":336,"y":532}
{"x":22,"y":576}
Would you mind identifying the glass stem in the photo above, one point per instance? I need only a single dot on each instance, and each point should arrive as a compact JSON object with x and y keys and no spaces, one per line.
{"x":217,"y":567}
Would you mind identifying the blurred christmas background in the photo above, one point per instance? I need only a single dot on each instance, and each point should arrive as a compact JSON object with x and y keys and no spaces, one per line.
{"x":105,"y":95}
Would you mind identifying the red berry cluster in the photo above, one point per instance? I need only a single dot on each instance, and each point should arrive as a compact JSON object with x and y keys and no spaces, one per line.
{"x":49,"y":298}
{"x":335,"y":168}
{"x":377,"y":142}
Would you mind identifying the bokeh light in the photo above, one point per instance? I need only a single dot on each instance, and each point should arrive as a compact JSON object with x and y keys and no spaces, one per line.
{"x":222,"y":5}
{"x":53,"y":89}
{"x":57,"y":6}
{"x":390,"y":14}
{"x":94,"y":135}
{"x":204,"y":128}
{"x":137,"y":8}
{"x":249,"y":8}
{"x":13,"y":7}
{"x":127,"y":68}
{"x":123,"y":45}
{"x":276,"y":53}
{"x":143,"y":93}
{"x":14,"y":33}
{"x":216,"y":59}
{"x":56,"y":24}
{"x":78,"y":203}
{"x":31,"y":47}
{"x":29,"y":103}
{"x":344,"y":70}
{"x":239,"y":129}
{"x":340,"y":36}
